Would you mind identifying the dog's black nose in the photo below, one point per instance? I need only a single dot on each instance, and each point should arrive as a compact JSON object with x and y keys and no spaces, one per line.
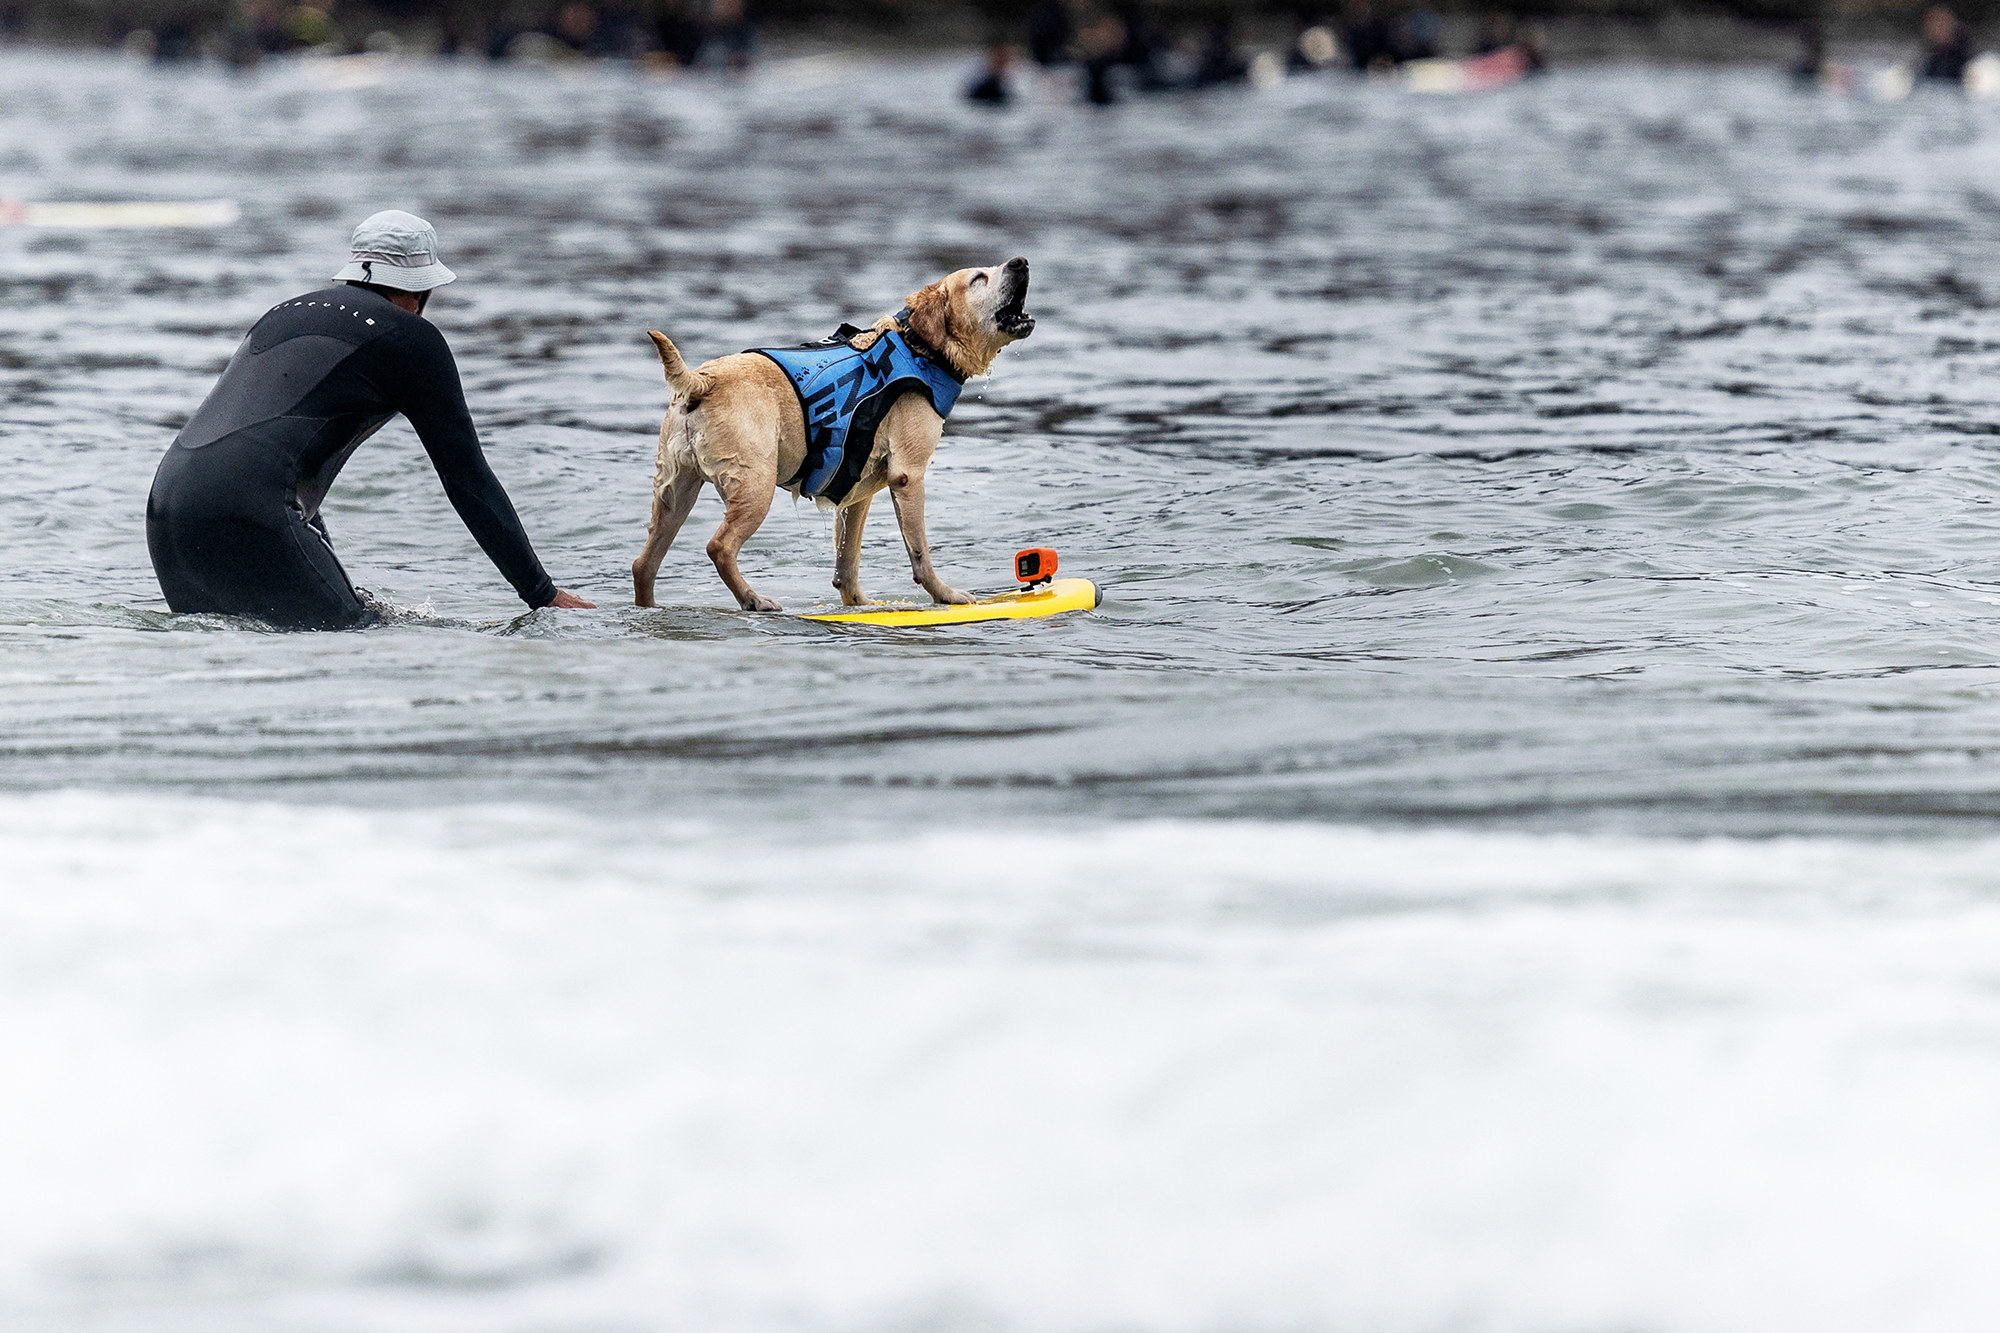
{"x":1018,"y":263}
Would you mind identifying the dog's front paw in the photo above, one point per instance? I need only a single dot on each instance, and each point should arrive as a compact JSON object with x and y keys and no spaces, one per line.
{"x":953,"y":597}
{"x":759,"y":602}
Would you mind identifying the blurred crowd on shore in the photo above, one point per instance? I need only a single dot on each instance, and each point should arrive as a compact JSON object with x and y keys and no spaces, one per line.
{"x":1101,"y":51}
{"x":1114,"y":48}
{"x":1128,"y":48}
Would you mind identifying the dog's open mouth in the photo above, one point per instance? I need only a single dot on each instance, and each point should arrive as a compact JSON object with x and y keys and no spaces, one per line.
{"x":1012,"y":318}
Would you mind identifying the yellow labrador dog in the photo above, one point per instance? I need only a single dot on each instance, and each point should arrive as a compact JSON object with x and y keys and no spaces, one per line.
{"x":834,"y":421}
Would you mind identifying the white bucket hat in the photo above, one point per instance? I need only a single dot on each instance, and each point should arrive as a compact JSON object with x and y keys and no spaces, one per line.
{"x":396,"y":249}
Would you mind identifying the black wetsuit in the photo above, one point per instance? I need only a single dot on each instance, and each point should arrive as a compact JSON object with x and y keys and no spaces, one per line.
{"x":233,"y":521}
{"x":1946,"y":64}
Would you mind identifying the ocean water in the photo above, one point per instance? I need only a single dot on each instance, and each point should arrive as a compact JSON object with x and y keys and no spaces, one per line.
{"x":1514,"y":851}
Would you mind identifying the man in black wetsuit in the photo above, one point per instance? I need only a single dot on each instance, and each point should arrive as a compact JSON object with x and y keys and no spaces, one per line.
{"x":233,"y":520}
{"x":1947,"y":47}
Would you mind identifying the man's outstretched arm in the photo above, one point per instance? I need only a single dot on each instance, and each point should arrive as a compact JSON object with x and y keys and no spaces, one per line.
{"x":431,"y":396}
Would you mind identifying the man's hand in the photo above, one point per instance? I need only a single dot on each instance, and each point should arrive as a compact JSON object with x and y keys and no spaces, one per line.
{"x":569,"y":601}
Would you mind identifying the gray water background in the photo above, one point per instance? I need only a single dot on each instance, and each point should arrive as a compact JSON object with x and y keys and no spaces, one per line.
{"x":1615,"y":451}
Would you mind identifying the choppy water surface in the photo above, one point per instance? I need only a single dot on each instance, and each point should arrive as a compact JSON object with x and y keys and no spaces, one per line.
{"x":1532,"y":482}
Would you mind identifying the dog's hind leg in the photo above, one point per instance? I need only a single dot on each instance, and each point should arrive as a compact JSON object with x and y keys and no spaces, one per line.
{"x":673,"y":500}
{"x":743,"y":509}
{"x":847,"y":551}
{"x":677,"y":481}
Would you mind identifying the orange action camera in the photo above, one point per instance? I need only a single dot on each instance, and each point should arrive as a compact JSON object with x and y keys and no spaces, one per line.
{"x":1035,"y":565}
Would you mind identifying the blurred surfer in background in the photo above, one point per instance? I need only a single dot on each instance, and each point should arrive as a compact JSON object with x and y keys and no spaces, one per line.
{"x":1220,"y":61}
{"x":1368,"y":38}
{"x":1051,"y":29}
{"x":1102,"y":42}
{"x":1947,"y":47}
{"x":995,"y":84}
{"x":233,"y":522}
{"x":1810,"y":68}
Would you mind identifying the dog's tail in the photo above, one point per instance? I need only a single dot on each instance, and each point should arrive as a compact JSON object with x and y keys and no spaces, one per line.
{"x":690,"y":386}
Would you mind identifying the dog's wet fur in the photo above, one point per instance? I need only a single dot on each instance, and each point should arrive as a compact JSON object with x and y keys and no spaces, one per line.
{"x":735,"y":423}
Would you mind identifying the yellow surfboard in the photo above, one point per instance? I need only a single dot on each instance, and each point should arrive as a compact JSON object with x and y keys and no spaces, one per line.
{"x":1048,"y":600}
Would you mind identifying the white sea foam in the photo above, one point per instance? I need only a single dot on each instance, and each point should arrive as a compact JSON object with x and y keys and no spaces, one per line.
{"x":275,"y":1067}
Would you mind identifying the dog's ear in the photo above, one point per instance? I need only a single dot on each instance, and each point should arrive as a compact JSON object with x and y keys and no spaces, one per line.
{"x":930,"y":316}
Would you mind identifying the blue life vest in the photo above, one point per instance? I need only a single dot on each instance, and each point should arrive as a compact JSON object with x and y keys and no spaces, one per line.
{"x":845,"y":393}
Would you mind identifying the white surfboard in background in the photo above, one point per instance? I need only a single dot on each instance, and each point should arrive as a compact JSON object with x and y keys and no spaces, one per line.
{"x":201,"y":213}
{"x":1475,"y":74}
{"x":1982,"y":77}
